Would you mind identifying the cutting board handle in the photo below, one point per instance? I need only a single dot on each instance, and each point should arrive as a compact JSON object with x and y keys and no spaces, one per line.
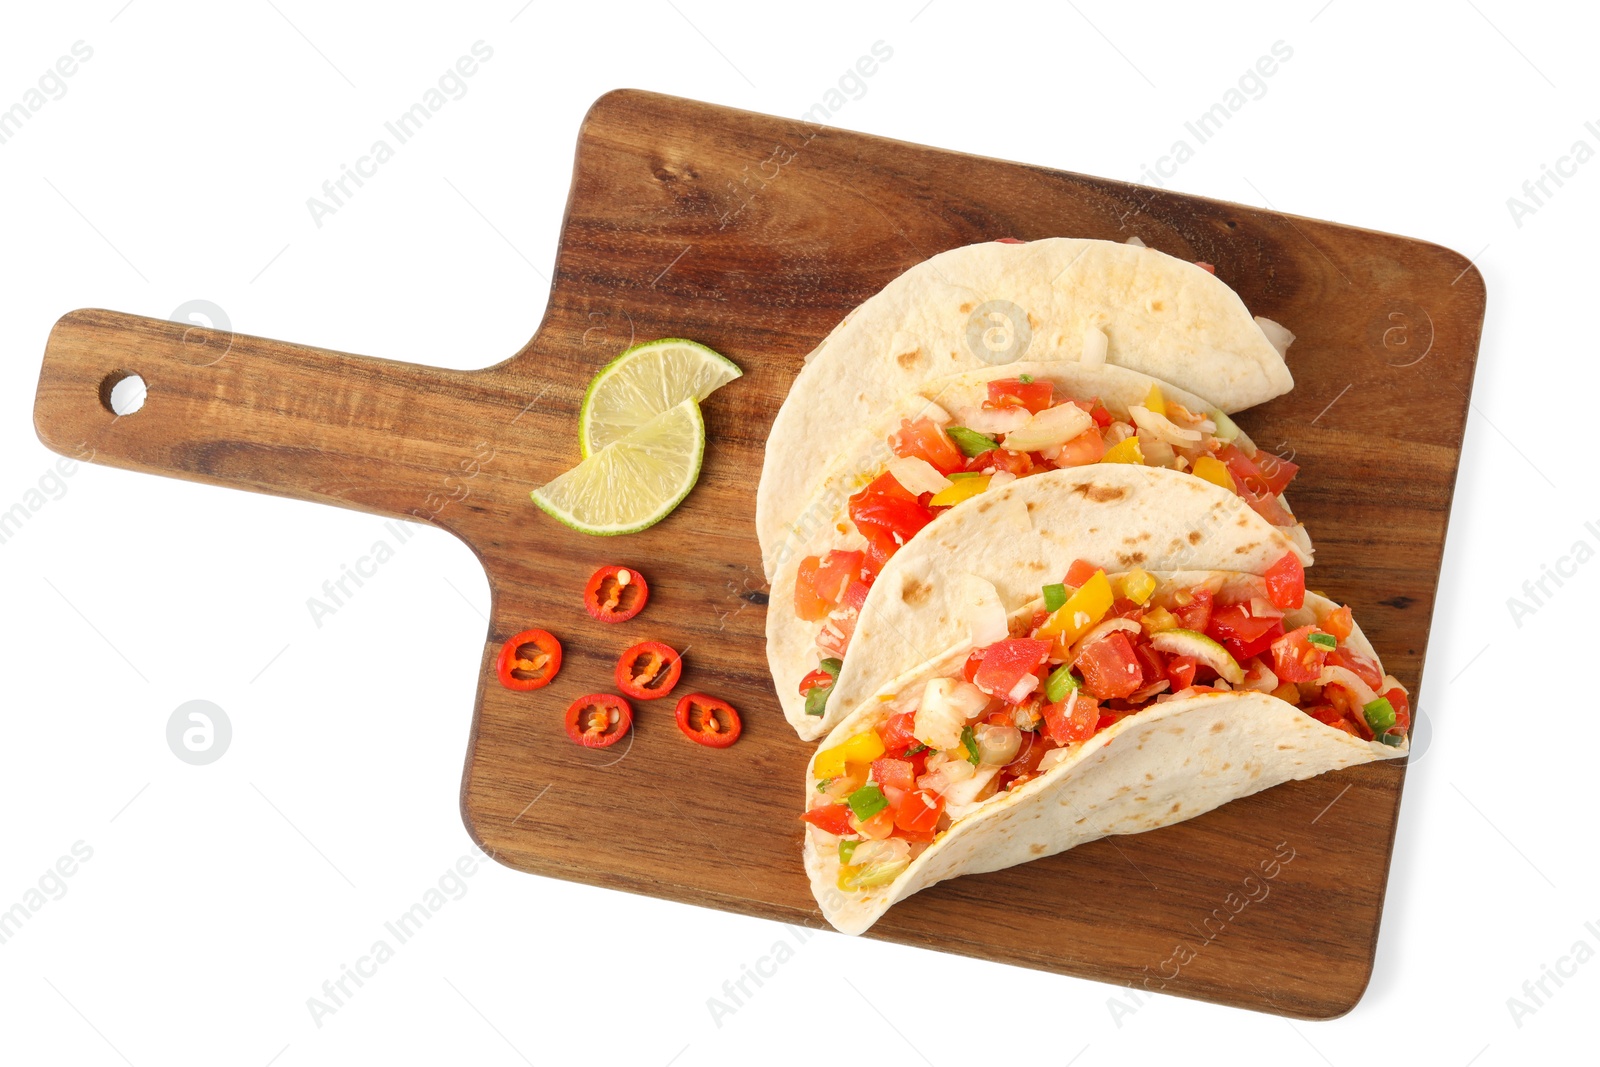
{"x":250,"y":413}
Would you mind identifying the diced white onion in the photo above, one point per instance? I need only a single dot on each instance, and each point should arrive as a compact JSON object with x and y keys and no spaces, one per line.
{"x":1025,"y":685}
{"x":1262,"y":608}
{"x":962,"y":798}
{"x":1095,"y":344}
{"x":1148,"y":691}
{"x":1050,"y":428}
{"x":917,"y":475}
{"x":999,"y":478}
{"x":936,"y":413}
{"x":1277,"y":336}
{"x":1134,"y":240}
{"x":1344,"y":676}
{"x":1162,"y":427}
{"x":1156,"y":452}
{"x":1260,"y":678}
{"x":1391,"y":682}
{"x":947,"y":704}
{"x":995,"y":420}
{"x":945,"y":771}
{"x":1055,"y":756}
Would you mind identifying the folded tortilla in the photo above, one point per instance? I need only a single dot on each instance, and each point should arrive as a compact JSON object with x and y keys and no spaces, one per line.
{"x":1170,"y":761}
{"x":1002,"y":546}
{"x":824,"y":523}
{"x":995,"y":303}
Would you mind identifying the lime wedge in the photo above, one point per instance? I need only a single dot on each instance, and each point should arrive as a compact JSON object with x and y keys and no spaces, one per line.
{"x":633,"y":482}
{"x":643,"y":382}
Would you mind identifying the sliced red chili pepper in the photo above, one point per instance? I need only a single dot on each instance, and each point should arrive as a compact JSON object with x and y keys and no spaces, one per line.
{"x":598,"y":720}
{"x":708,"y":721}
{"x":529,"y":660}
{"x":648,"y":670}
{"x":615,"y":594}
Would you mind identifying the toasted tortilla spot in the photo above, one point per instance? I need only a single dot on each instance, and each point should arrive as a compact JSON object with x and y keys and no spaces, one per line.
{"x":983,"y":505}
{"x":1141,"y":799}
{"x":1156,"y":305}
{"x":1176,"y":807}
{"x":1194,"y":537}
{"x":966,"y":309}
{"x":1217,"y":726}
{"x":1130,"y":559}
{"x":1244,"y":520}
{"x":1033,"y":323}
{"x":1242,"y":549}
{"x":1101,"y":494}
{"x":910,"y":359}
{"x":1035,"y":565}
{"x":1225,"y":766}
{"x":914,"y":591}
{"x":1037,"y":850}
{"x":1030,"y":507}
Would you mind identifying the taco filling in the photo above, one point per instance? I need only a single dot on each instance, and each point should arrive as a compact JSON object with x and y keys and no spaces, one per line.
{"x":942,"y":459}
{"x":1098,"y":650}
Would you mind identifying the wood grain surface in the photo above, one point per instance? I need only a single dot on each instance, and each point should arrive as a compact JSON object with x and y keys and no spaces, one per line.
{"x":756,"y":235}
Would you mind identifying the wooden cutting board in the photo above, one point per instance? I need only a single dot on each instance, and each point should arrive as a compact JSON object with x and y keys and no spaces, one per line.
{"x":756,"y":235}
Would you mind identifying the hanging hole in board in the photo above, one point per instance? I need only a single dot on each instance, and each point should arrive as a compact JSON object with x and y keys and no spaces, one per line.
{"x":122,"y":392}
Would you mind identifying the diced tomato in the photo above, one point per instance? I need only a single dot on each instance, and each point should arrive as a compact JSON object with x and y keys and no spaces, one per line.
{"x":810,"y":604}
{"x":1364,"y":668}
{"x":1242,"y":467}
{"x":926,"y":439}
{"x":876,"y":828}
{"x":1088,"y":447}
{"x":1110,"y":667}
{"x":893,"y":773}
{"x":1402,"y":708}
{"x":1329,"y":715}
{"x":1008,"y":241}
{"x":969,"y":670}
{"x":1196,"y":615}
{"x":887,"y":516}
{"x":1152,"y":664}
{"x":1276,"y":472}
{"x":1002,"y":459}
{"x":834,"y":818}
{"x":1102,"y":418}
{"x":814,"y":679}
{"x":1295,"y":658}
{"x":919,"y":811}
{"x":1243,"y":633}
{"x":1080,"y":571}
{"x":1286,"y":583}
{"x":897,"y":733}
{"x":835,"y":573}
{"x":1339,"y":623}
{"x":1123,"y":608}
{"x":1005,"y":663}
{"x":1064,"y":726}
{"x":1180,"y":672}
{"x":1207,"y":267}
{"x":1016,"y":393}
{"x":1109,"y":718}
{"x":841,"y":626}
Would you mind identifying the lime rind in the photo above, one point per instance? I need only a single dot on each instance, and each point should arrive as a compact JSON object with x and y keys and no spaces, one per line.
{"x":634,"y":482}
{"x":628,"y":391}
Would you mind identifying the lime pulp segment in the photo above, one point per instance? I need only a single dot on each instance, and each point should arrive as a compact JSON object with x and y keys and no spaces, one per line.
{"x":645,"y":381}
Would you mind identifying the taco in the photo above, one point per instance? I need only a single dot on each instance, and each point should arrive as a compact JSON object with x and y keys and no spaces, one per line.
{"x":1188,"y":690}
{"x":1001,"y":302}
{"x":838,"y":627}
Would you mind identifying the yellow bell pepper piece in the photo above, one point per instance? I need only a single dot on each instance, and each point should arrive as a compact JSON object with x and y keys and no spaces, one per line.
{"x":848,"y":874}
{"x":1082,"y":610}
{"x":1155,"y":401}
{"x":960,"y":489}
{"x":1157,"y":619}
{"x":862,"y":748}
{"x":1138,"y":584}
{"x":1125,"y":451}
{"x":1214,"y":471}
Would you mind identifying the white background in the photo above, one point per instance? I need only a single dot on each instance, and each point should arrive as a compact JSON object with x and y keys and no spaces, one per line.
{"x":218,"y":899}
